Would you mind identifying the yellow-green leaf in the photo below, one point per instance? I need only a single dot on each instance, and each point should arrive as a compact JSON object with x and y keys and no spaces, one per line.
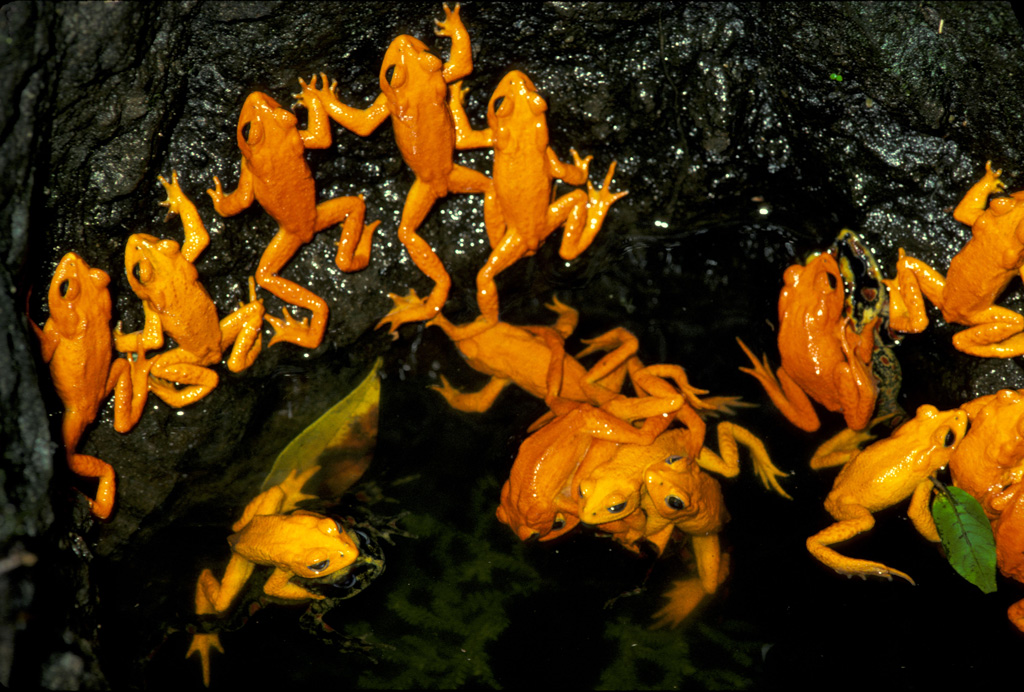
{"x":341,"y":442}
{"x":966,"y":536}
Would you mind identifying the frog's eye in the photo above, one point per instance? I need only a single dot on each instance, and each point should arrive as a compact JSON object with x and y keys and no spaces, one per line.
{"x":142,"y":271}
{"x":503,"y":106}
{"x":349,"y":582}
{"x":675,"y":503}
{"x":950,"y":438}
{"x":396,"y":75}
{"x":583,"y":491}
{"x":831,"y":282}
{"x":672,"y":459}
{"x":558,"y":523}
{"x":615,"y":509}
{"x":245,"y":131}
{"x":69,"y":289}
{"x":319,"y":566}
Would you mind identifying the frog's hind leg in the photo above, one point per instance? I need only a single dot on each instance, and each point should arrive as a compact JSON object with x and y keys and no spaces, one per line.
{"x":242,"y":330}
{"x":914,"y":282}
{"x":576,"y":240}
{"x":356,"y":237}
{"x":686,"y":594}
{"x":853,"y":520}
{"x":997,"y":333}
{"x":786,"y":394}
{"x":473,"y":402}
{"x":307,"y":332}
{"x":89,"y":466}
{"x":180,"y":367}
{"x":412,"y":308}
{"x":510,"y":250}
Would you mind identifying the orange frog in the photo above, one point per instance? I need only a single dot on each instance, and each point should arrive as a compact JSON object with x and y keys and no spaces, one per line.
{"x":536,"y":501}
{"x":76,"y":343}
{"x":1008,"y":529}
{"x":881,"y":475}
{"x":525,"y":168}
{"x":823,"y":356}
{"x":977,"y":275}
{"x":275,"y":173}
{"x":414,"y":88}
{"x":272,"y":532}
{"x":509,"y":353}
{"x":163,"y":275}
{"x":989,"y":462}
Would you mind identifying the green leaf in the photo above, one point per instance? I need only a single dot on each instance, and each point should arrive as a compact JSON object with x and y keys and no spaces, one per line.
{"x":966,"y":536}
{"x":341,"y":442}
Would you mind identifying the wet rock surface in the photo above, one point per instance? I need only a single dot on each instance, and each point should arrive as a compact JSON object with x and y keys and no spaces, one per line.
{"x":747,"y":135}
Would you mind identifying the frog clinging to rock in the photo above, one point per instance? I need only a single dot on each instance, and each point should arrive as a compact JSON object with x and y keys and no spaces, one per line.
{"x":414,"y":95}
{"x":162,"y":274}
{"x":525,"y":169}
{"x":977,"y":275}
{"x":274,"y":173}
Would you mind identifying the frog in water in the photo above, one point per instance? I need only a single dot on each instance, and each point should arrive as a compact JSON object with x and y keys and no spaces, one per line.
{"x":274,"y":173}
{"x":887,"y":472}
{"x":414,"y":89}
{"x":525,"y":169}
{"x":272,"y":532}
{"x":162,"y":274}
{"x":76,"y":343}
{"x":977,"y":276}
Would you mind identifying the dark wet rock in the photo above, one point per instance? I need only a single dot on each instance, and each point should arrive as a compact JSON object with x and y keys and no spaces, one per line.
{"x":746,"y":134}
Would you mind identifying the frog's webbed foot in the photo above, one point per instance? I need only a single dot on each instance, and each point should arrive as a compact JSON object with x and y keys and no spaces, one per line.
{"x":683,"y":597}
{"x":408,"y":308}
{"x":203,"y":643}
{"x":292,"y":330}
{"x":723,"y":406}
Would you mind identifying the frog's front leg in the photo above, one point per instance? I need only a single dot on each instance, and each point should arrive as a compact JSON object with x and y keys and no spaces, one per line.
{"x":196,"y":237}
{"x":360,"y":121}
{"x":129,"y":380}
{"x":972,"y":206}
{"x":853,"y":520}
{"x":317,"y":134}
{"x":920,"y":511}
{"x":242,"y":330}
{"x":237,"y":201}
{"x":178,"y":366}
{"x":279,"y":586}
{"x":786,"y":394}
{"x":460,"y":58}
{"x":855,"y":385}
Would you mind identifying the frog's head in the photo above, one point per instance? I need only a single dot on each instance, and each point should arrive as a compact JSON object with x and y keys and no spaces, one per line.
{"x":406,"y":61}
{"x":515,"y":99}
{"x":308,"y":544}
{"x":152,"y":265}
{"x":260,"y":112}
{"x":818,"y":283}
{"x":75,"y":287}
{"x":933,"y":432}
{"x":673,"y":484}
{"x":606,"y":495}
{"x":541,"y":523}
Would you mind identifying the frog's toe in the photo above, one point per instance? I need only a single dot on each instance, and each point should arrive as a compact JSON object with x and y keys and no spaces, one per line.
{"x":203,"y":643}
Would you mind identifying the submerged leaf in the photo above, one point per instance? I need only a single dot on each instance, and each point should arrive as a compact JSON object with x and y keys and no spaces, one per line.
{"x":966,"y":536}
{"x":341,"y":442}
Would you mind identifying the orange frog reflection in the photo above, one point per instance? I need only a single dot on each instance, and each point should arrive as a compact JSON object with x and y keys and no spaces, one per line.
{"x":275,"y":173}
{"x":823,"y":356}
{"x":525,"y":168}
{"x":414,"y":89}
{"x":162,"y":274}
{"x":76,"y":343}
{"x":881,"y":475}
{"x":272,"y":532}
{"x":977,"y":276}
